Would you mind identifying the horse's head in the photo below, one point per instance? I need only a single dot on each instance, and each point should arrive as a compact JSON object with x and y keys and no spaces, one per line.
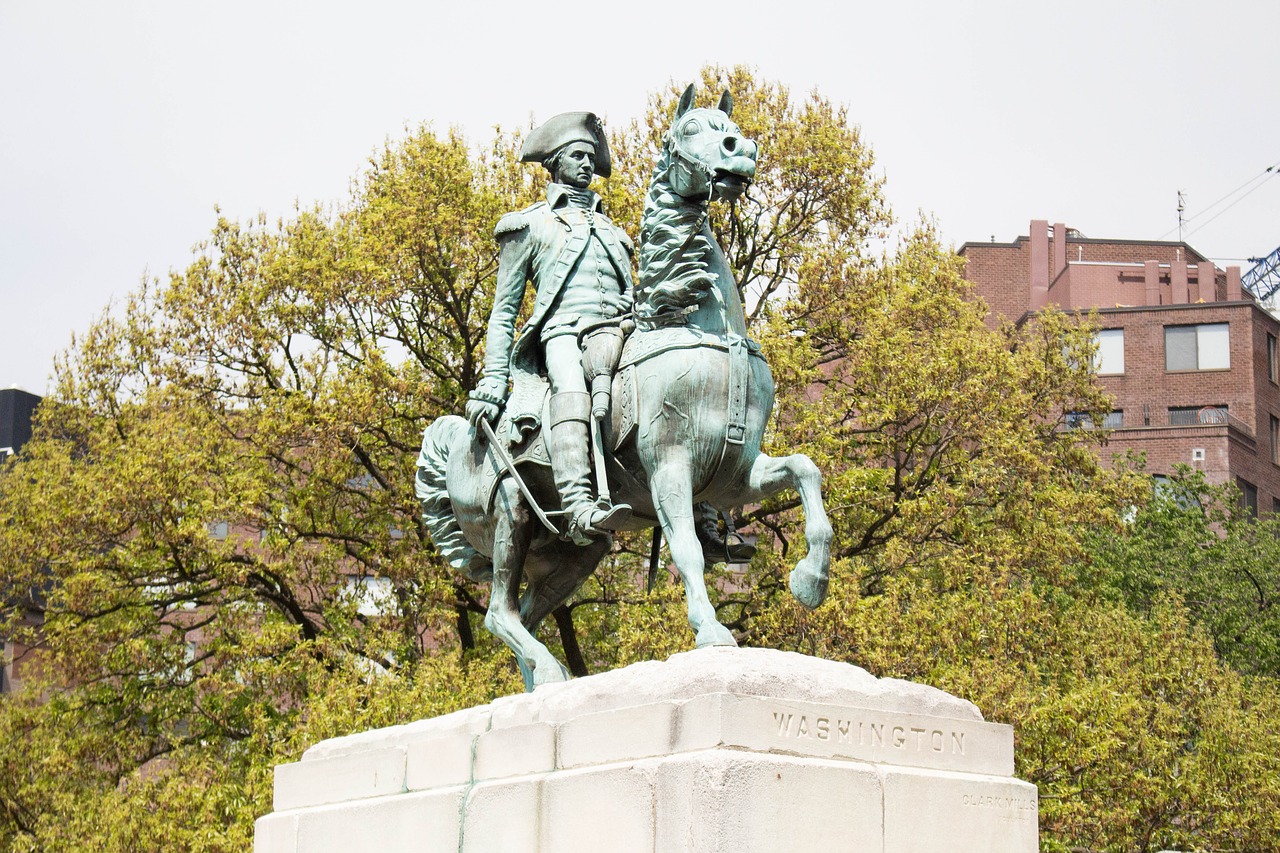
{"x":708,"y":155}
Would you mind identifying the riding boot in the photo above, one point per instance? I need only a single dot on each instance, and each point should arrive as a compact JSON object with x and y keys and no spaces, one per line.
{"x":570,"y":465}
{"x":729,"y":548}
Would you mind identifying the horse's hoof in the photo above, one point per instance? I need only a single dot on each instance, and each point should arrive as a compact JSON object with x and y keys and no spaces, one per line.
{"x":550,"y":672}
{"x":809,"y":587}
{"x":715,"y":634}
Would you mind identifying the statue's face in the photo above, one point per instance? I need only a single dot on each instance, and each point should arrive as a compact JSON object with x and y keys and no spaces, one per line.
{"x":577,"y":165}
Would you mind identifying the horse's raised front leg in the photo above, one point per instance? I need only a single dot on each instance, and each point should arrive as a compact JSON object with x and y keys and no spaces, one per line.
{"x":672,"y":493}
{"x":797,"y":471}
{"x":512,"y":535}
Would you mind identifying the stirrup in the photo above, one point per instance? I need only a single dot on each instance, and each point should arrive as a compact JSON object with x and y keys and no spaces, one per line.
{"x":612,"y":517}
{"x":595,"y":520}
{"x":731,"y":549}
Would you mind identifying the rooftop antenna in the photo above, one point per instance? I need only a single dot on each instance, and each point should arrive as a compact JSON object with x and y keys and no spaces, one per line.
{"x":1182,"y":206}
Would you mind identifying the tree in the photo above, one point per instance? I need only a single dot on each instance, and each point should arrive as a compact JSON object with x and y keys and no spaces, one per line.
{"x":219,"y":503}
{"x":1194,"y":541}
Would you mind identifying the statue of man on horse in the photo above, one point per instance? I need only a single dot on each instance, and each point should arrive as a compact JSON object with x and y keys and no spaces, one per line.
{"x":692,"y":393}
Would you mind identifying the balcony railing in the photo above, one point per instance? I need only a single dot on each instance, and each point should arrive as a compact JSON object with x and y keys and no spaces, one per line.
{"x":1207,"y":416}
{"x":1139,"y":419}
{"x":1198,"y":417}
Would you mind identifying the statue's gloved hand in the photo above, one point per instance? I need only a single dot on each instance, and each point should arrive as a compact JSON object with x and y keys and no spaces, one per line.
{"x":478,"y":410}
{"x":486,"y":400}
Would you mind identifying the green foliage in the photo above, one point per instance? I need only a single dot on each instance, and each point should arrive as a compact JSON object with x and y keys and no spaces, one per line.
{"x":216,"y":517}
{"x":1192,"y":540}
{"x":1136,"y":735}
{"x":943,"y":438}
{"x":73,"y":780}
{"x":280,"y":385}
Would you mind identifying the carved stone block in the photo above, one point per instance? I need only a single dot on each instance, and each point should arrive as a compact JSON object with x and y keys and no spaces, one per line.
{"x":375,"y":773}
{"x":709,"y":752}
{"x":425,"y":822}
{"x":726,"y":801}
{"x":990,"y":813}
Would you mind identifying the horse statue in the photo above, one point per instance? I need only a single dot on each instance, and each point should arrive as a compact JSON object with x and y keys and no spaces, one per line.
{"x":692,"y":396}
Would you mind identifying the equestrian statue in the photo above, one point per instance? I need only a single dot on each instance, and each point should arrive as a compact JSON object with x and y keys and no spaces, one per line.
{"x":617,"y":406}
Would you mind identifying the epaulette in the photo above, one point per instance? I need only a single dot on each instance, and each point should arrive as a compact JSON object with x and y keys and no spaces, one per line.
{"x":512,"y":222}
{"x":627,"y":242}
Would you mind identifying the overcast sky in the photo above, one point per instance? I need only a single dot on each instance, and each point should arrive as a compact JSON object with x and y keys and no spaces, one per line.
{"x":122,"y":124}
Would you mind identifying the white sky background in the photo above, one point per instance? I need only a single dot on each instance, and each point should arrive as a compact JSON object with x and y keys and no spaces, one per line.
{"x":122,"y":124}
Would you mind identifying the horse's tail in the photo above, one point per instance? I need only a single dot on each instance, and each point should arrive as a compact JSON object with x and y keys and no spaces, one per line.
{"x":437,"y":509}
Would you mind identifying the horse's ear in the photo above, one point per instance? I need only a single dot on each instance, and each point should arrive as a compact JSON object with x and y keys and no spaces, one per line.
{"x":726,"y":103}
{"x":686,"y":101}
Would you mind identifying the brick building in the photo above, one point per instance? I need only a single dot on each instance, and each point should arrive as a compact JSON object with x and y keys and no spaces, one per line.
{"x":1188,"y":355}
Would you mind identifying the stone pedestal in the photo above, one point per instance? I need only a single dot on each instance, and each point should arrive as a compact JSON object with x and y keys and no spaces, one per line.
{"x":714,"y":750}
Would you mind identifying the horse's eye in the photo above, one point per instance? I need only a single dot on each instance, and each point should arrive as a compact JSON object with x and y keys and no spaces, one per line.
{"x":691,"y":127}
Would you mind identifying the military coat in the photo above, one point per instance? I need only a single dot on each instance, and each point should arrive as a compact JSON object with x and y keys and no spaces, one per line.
{"x":542,"y":244}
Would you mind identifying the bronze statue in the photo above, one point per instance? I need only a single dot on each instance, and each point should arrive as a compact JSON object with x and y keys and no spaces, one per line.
{"x":691,"y":397}
{"x":580,"y":266}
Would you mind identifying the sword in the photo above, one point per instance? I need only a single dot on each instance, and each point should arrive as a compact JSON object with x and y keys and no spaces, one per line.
{"x":597,"y":447}
{"x":510,"y":465}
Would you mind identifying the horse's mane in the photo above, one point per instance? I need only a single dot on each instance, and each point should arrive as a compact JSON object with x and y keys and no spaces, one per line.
{"x":675,"y":268}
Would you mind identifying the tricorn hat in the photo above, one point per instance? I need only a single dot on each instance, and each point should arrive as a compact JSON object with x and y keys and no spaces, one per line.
{"x":559,"y":131}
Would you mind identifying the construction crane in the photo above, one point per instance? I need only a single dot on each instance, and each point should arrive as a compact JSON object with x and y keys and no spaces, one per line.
{"x":1263,"y":280}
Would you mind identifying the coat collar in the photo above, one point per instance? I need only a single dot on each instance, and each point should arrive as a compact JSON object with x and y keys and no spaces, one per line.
{"x":558,"y":196}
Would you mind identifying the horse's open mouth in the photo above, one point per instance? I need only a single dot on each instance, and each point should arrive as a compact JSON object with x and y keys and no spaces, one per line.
{"x":730,"y":184}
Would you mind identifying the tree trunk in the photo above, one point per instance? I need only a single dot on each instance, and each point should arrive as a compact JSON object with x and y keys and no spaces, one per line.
{"x":569,"y":640}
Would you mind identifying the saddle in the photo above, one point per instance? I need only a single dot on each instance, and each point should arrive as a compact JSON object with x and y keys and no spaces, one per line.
{"x":527,"y":409}
{"x":520,"y":427}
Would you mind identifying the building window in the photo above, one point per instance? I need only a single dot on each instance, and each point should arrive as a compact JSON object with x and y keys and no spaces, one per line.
{"x":1162,"y":486}
{"x":1203,"y":347}
{"x":1196,"y":415}
{"x":1083,"y":420}
{"x":1109,"y":358}
{"x":1273,"y":359}
{"x":373,"y":596}
{"x":1248,"y":496}
{"x":1275,"y":440}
